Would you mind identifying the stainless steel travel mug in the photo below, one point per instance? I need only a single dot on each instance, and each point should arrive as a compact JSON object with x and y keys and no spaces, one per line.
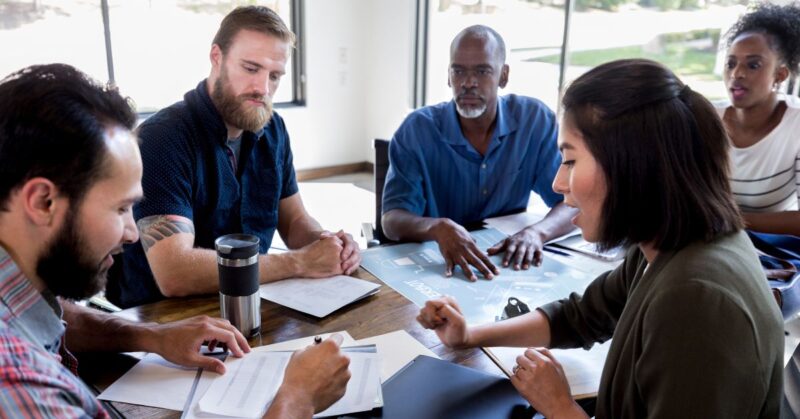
{"x":240,"y":303}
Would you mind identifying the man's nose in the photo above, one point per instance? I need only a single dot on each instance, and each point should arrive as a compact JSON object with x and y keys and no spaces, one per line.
{"x":260,"y":85}
{"x":130,"y":233}
{"x":470,"y":80}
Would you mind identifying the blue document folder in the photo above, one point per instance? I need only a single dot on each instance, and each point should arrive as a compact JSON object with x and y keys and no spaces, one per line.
{"x":437,"y":389}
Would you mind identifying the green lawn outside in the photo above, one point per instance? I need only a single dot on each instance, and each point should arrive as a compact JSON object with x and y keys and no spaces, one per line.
{"x":678,"y":57}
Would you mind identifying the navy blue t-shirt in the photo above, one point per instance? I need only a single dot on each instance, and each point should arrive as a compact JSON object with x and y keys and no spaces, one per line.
{"x":188,"y":171}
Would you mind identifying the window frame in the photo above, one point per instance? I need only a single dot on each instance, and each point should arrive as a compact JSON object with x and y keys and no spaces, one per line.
{"x":296,"y":25}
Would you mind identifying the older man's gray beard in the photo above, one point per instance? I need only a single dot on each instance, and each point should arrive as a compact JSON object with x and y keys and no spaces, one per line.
{"x":233,"y":109}
{"x":470,"y":113}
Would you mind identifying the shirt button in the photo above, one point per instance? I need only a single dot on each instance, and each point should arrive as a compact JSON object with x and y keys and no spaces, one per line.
{"x":485,"y":191}
{"x":483,"y":166}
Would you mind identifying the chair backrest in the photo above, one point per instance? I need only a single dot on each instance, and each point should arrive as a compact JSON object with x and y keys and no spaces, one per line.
{"x":381,"y":167}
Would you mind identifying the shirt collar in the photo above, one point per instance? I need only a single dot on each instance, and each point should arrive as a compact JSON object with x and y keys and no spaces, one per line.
{"x":506,"y":123}
{"x":211,"y":119}
{"x":34,"y":314}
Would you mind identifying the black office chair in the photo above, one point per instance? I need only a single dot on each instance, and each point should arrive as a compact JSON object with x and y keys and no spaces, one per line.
{"x":374,"y":232}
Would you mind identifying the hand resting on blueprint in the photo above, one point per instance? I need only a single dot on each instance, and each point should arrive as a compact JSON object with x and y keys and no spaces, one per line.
{"x":522,"y":250}
{"x":459,"y":249}
{"x":315,"y":378}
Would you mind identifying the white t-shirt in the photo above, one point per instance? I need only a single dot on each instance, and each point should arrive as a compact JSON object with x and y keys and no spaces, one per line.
{"x":765,"y":177}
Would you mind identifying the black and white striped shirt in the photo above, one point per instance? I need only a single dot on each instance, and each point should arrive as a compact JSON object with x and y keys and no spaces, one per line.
{"x":765,"y":177}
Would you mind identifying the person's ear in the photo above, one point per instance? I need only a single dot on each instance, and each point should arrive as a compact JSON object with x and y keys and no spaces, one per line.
{"x":781,"y":74}
{"x":504,"y":76}
{"x":39,"y":200}
{"x":215,"y":56}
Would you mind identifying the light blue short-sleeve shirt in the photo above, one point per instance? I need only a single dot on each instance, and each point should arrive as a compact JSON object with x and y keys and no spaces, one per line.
{"x":435,"y":172}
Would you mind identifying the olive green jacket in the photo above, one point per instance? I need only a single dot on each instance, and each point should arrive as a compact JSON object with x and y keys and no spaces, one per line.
{"x":696,"y":335}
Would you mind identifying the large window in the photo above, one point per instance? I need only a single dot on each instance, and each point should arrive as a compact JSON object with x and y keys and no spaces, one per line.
{"x":158,"y":49}
{"x":685,"y":35}
{"x":39,"y":31}
{"x":680,"y":34}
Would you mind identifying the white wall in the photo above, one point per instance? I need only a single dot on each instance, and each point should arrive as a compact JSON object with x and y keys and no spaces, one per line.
{"x":358,"y":67}
{"x":389,"y":80}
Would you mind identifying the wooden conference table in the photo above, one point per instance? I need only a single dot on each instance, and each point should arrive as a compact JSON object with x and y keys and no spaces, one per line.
{"x":381,"y":313}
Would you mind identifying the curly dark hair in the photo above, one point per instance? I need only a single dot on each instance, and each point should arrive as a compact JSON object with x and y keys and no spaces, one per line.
{"x":781,"y":24}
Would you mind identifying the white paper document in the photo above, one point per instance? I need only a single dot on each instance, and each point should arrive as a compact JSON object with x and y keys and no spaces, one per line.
{"x":247,"y":387}
{"x":252,"y":381}
{"x":153,"y":381}
{"x":511,"y":224}
{"x":396,"y":350}
{"x":300,"y":343}
{"x":364,"y":388}
{"x":318,"y":297}
{"x":156,"y":382}
{"x":583,"y":368}
{"x":194,"y":412}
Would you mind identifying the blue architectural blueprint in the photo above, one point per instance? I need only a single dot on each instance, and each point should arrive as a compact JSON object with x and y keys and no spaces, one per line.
{"x":416,"y":270}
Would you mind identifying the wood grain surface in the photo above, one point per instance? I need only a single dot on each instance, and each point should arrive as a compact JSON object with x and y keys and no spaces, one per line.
{"x":381,"y":313}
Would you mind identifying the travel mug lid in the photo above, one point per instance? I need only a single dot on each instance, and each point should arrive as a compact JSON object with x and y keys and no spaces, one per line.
{"x":236,"y":246}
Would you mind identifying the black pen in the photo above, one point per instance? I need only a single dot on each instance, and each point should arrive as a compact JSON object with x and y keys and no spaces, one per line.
{"x":558,"y":252}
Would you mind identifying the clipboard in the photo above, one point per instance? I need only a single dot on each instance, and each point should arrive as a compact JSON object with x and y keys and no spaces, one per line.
{"x":222,"y":356}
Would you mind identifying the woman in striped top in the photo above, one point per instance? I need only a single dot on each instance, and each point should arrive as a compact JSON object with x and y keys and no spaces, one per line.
{"x":763,"y":126}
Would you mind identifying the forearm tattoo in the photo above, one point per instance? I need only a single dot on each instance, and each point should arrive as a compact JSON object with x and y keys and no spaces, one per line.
{"x":159,"y":227}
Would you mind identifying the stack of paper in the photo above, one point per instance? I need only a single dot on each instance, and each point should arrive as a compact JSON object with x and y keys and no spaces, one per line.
{"x":251,"y":383}
{"x":511,"y":224}
{"x":158,"y":383}
{"x":248,"y":386}
{"x":318,"y":297}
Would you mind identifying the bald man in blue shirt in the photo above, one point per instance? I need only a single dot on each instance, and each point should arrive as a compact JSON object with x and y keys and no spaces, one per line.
{"x":476,"y":156}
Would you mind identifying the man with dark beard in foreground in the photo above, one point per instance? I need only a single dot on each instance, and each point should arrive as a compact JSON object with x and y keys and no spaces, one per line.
{"x":70,"y":172}
{"x":219,"y":162}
